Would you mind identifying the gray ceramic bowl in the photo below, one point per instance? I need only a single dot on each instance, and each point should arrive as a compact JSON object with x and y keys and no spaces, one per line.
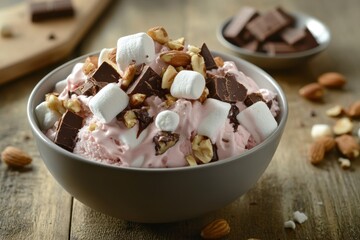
{"x":156,"y":195}
{"x":263,"y":60}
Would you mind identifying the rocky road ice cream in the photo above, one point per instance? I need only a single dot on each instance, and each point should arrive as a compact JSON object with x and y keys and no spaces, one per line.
{"x":156,"y":102}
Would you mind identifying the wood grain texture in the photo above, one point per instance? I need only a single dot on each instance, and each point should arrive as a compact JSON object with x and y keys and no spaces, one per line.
{"x":34,"y":206}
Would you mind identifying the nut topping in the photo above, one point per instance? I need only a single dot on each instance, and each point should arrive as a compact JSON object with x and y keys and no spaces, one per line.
{"x":130,"y":119}
{"x":158,"y":34}
{"x":202,"y":148}
{"x":168,"y":77}
{"x":176,"y":58}
{"x":198,"y":64}
{"x":164,"y":140}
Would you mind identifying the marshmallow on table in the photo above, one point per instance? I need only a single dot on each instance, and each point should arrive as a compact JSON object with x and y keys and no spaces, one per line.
{"x":46,"y":116}
{"x":216,"y":113}
{"x":108,"y":102}
{"x":258,"y":120}
{"x":137,"y":48}
{"x":167,"y":121}
{"x":188,"y":84}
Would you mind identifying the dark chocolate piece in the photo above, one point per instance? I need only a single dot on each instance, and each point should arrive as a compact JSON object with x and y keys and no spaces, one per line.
{"x":268,"y":24}
{"x":143,"y":118}
{"x":208,"y":58}
{"x":253,"y":98}
{"x":215,"y":154}
{"x":148,"y":83}
{"x":226,"y":88}
{"x":68,"y":128}
{"x":164,"y":140}
{"x":252,"y":45}
{"x":293,"y":35}
{"x":308,"y":42}
{"x":45,"y":10}
{"x":237,"y":25}
{"x":234,"y":111}
{"x":106,"y":73}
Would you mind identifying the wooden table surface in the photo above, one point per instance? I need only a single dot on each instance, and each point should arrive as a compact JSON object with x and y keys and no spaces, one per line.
{"x":34,"y":206}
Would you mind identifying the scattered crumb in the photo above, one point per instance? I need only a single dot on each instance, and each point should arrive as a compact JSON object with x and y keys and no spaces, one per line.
{"x":299,"y":217}
{"x":320,"y":203}
{"x":289,"y":224}
{"x":52,"y":36}
{"x":313,"y":113}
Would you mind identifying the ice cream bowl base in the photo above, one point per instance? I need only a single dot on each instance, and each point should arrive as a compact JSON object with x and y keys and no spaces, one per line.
{"x":285,"y":60}
{"x":156,"y":195}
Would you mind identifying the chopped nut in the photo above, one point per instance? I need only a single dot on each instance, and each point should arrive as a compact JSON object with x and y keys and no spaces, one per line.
{"x":92,"y":59}
{"x":158,"y":34}
{"x":54,"y":103}
{"x":92,"y":127}
{"x":73,"y":105}
{"x":202,"y":148}
{"x":137,"y":99}
{"x":198,"y":64}
{"x":176,"y":58}
{"x":344,"y":163}
{"x":177,"y":44}
{"x":335,"y":111}
{"x":219,"y":61}
{"x":130,"y":119}
{"x":128,"y":76}
{"x":204,"y":95}
{"x":192,"y":50}
{"x":170,"y":100}
{"x":343,"y":126}
{"x":216,"y":229}
{"x":191,"y":160}
{"x":168,"y":77}
{"x":88,"y":68}
{"x":354,"y":110}
{"x":112,"y":55}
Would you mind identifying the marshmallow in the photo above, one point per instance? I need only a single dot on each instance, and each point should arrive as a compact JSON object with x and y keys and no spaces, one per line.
{"x":299,"y":217}
{"x":137,"y":48}
{"x":167,"y":121}
{"x":108,"y":102}
{"x":60,"y":86}
{"x":46,"y":116}
{"x":321,"y":130}
{"x":215,"y":116}
{"x":258,"y":120}
{"x":188,"y":84}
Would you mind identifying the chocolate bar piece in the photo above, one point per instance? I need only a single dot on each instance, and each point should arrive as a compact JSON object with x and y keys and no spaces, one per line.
{"x":273,"y":48}
{"x":307,"y":42}
{"x":164,"y":140}
{"x":293,"y":35}
{"x":50,"y":9}
{"x":237,"y":25}
{"x":148,"y":83}
{"x":234,"y":111}
{"x":253,"y":98}
{"x":208,"y":58}
{"x":68,"y":128}
{"x":144,"y":119}
{"x":106,"y":73}
{"x":226,"y":88}
{"x":268,"y":24}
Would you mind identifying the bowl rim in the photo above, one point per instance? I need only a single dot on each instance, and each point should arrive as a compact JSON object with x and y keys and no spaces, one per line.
{"x":42,"y":137}
{"x":242,"y":51}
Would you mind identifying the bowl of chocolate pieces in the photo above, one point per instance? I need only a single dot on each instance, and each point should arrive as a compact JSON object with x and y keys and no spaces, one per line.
{"x":274,"y":39}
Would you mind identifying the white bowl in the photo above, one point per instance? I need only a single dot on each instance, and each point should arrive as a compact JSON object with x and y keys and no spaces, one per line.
{"x":285,"y":60}
{"x":156,"y":195}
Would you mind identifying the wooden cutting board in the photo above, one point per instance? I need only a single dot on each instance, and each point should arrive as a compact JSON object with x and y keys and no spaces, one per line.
{"x":35,"y":45}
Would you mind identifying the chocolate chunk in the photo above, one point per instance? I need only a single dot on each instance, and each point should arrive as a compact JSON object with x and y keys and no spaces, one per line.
{"x":308,"y":42}
{"x":252,"y":45}
{"x":208,"y":58}
{"x":164,"y":140}
{"x":143,"y":118}
{"x":273,"y":48}
{"x":236,"y":27}
{"x":68,"y":128}
{"x":253,"y":98}
{"x":234,"y":111}
{"x":148,"y":83}
{"x":293,"y":35}
{"x":215,"y":154}
{"x":106,"y":73}
{"x":268,"y":24}
{"x":226,"y":88}
{"x":45,"y":10}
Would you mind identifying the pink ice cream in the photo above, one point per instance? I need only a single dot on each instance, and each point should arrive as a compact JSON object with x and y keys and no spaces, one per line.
{"x":114,"y":141}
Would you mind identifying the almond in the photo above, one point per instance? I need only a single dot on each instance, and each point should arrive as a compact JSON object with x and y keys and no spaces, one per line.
{"x":329,"y":143}
{"x":332,"y":80}
{"x":216,"y":229}
{"x":219,"y":61}
{"x":312,"y":91}
{"x":15,"y":157}
{"x":317,"y":152}
{"x":354,"y":110}
{"x":348,"y":146}
{"x":176,"y":58}
{"x":335,"y":111}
